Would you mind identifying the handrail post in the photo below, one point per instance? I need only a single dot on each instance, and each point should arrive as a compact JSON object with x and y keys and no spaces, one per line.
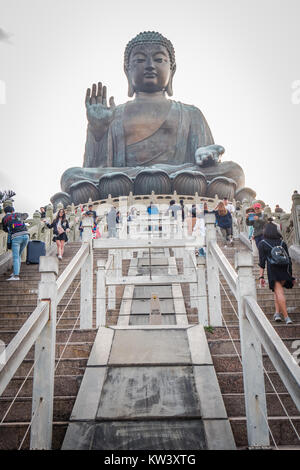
{"x":111,"y":274}
{"x":179,"y":225}
{"x":189,"y":268}
{"x":117,"y":266}
{"x":201,"y":292}
{"x":296,"y":217}
{"x":44,"y":358}
{"x":214,"y":296}
{"x":253,"y":375}
{"x":86,"y":287}
{"x":100,"y":294}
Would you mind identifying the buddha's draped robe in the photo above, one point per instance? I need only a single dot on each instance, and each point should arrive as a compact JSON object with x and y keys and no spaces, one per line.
{"x":171,"y":147}
{"x":189,"y":131}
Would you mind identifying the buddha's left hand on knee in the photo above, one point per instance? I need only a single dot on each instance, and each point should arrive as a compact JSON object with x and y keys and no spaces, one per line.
{"x":209,"y":155}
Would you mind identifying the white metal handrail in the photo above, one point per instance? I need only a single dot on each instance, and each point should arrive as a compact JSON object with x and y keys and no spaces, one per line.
{"x":255,"y":330}
{"x":283,"y":361}
{"x":225,"y":267}
{"x":40,"y":330}
{"x":18,"y":348}
{"x":281,"y":358}
{"x":67,"y":277}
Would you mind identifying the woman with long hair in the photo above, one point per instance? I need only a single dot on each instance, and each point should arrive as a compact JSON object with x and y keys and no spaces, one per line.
{"x":224,"y":221}
{"x":60,"y":227}
{"x":279,"y":275}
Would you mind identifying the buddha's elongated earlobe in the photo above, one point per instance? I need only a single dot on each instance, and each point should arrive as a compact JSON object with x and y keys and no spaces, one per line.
{"x":130,"y":87}
{"x":169,"y":87}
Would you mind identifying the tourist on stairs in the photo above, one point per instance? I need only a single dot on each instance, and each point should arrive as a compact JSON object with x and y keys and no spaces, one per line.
{"x":13,"y":224}
{"x":274,"y":251}
{"x":60,"y":226}
{"x":258,"y":221}
{"x":224,"y":221}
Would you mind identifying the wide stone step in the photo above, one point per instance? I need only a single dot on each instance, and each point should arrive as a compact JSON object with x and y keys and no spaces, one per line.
{"x":232,"y":382}
{"x":65,"y":366}
{"x":16,"y":321}
{"x":231,"y":317}
{"x":64,"y":385}
{"x":73,"y":336}
{"x":219,"y":347}
{"x":232,"y":363}
{"x":12,"y":434}
{"x":220,"y":332}
{"x":70,"y":350}
{"x":235,"y":404}
{"x":22,"y":408}
{"x":281,"y":429}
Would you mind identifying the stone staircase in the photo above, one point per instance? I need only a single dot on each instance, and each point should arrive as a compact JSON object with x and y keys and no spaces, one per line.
{"x":73,"y":346}
{"x":225,"y":346}
{"x":18,"y":300}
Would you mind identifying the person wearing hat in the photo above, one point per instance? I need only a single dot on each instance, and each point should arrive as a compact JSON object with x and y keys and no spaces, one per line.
{"x":13,"y":224}
{"x":258,"y":221}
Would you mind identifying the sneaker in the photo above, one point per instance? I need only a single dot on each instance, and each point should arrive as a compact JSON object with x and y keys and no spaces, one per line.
{"x":277,"y":317}
{"x":13,"y":278}
{"x":288,"y":321}
{"x":59,"y":257}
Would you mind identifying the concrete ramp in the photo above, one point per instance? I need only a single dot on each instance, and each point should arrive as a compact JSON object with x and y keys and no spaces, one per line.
{"x":149,"y":388}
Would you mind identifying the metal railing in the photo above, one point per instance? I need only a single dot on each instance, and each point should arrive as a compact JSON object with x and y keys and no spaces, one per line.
{"x":40,"y":331}
{"x":255,"y":331}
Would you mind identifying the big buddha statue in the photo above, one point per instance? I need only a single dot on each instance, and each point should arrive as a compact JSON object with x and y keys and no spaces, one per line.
{"x":150,"y":143}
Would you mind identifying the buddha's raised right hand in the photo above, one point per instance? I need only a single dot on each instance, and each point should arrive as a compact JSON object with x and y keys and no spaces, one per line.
{"x":99,"y":115}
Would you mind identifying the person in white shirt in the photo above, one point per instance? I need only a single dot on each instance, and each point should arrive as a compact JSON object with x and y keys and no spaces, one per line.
{"x":228,"y":205}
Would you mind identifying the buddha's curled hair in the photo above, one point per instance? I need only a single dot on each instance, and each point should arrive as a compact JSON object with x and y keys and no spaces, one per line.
{"x":151,"y":37}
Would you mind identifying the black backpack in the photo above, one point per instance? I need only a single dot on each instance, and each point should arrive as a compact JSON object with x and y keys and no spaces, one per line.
{"x":278,"y":255}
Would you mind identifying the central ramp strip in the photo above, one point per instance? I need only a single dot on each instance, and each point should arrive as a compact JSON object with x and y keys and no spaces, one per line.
{"x":149,"y":388}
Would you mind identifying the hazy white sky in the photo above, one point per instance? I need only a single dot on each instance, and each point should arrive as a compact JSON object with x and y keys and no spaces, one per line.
{"x":237,"y":61}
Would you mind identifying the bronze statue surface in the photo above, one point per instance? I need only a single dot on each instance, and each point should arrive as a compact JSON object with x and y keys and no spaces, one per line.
{"x":151,"y":142}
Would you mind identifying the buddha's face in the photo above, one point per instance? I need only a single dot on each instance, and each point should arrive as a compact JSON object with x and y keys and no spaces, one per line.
{"x":149,"y":68}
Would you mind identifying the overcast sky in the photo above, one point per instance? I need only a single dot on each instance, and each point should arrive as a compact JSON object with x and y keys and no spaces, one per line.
{"x":237,"y":60}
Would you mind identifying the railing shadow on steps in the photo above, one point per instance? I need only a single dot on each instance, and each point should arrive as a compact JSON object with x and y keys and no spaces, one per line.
{"x":255,"y":332}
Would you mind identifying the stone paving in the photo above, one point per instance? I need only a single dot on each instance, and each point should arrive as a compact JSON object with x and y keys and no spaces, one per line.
{"x":149,"y":386}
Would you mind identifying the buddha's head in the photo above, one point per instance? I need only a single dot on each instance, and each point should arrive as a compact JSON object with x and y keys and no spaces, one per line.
{"x":149,"y":63}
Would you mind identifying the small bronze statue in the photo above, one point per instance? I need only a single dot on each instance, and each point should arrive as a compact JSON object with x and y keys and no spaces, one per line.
{"x":150,"y":143}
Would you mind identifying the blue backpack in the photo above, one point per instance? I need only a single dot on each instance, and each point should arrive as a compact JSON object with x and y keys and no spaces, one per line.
{"x":15,"y":224}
